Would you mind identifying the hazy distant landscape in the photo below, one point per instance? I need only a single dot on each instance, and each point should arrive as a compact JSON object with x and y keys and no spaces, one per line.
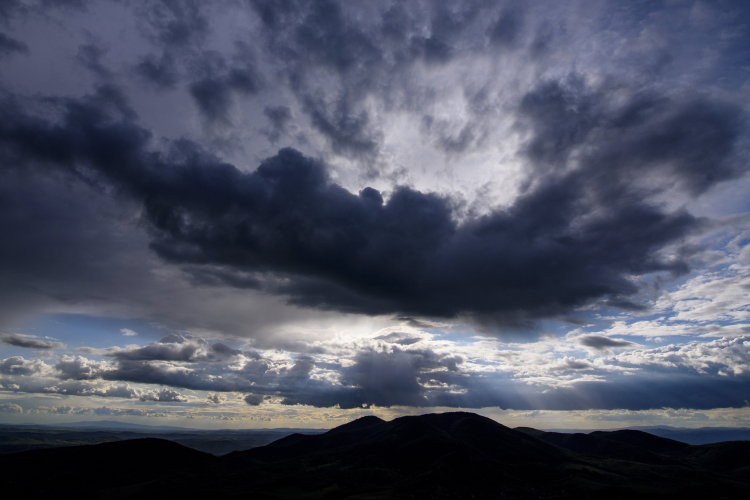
{"x":14,"y":438}
{"x":449,"y":455}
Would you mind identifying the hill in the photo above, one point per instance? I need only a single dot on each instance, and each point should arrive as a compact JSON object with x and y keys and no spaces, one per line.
{"x":449,"y":455}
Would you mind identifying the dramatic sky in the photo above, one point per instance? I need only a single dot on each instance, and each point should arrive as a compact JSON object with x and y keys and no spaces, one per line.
{"x":282,"y":213}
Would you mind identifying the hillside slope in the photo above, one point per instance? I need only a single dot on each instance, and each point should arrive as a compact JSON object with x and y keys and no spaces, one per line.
{"x":449,"y":455}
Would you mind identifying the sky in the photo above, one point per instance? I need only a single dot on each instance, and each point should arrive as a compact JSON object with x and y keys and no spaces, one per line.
{"x":256,"y":213}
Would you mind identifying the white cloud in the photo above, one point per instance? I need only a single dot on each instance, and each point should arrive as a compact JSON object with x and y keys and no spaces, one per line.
{"x":712,"y":297}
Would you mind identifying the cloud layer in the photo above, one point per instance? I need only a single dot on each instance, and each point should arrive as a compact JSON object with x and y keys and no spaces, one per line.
{"x":383,"y":372}
{"x":576,"y":235}
{"x":352,"y":204}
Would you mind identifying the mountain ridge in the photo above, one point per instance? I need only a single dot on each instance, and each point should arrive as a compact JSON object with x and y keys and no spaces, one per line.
{"x":448,"y":455}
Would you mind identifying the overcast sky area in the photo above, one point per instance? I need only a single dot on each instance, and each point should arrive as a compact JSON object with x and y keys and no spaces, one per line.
{"x":258,"y":213}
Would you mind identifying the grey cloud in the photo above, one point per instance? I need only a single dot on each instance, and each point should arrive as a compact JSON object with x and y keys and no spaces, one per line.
{"x":690,"y":138}
{"x":374,"y":57}
{"x":164,"y":395}
{"x":576,"y":236}
{"x":319,"y":34}
{"x":253,"y":399}
{"x":10,"y":9}
{"x":695,"y":375}
{"x":569,"y":363}
{"x":178,"y":24}
{"x":587,"y":220}
{"x":161,"y":71}
{"x":214,"y":91}
{"x":10,"y":408}
{"x":398,"y":338}
{"x":384,"y":378}
{"x":75,"y":377}
{"x":600,"y":343}
{"x":216,"y":398}
{"x":17,"y":365}
{"x":180,"y":30}
{"x":30,"y":342}
{"x":279,"y":118}
{"x":10,"y":45}
{"x":505,"y":31}
{"x":347,"y":129}
{"x":122,"y":391}
{"x":90,"y":56}
{"x":78,"y":368}
{"x":173,"y":347}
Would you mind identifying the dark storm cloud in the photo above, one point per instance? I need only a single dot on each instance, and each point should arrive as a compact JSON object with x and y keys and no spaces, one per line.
{"x":601,"y":343}
{"x":30,"y":342}
{"x":688,"y":138}
{"x":253,"y":399}
{"x":576,"y":235}
{"x":10,"y":45}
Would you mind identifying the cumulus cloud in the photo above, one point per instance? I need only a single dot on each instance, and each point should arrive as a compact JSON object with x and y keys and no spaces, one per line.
{"x":10,"y":408}
{"x":163,"y":395}
{"x":378,"y":372}
{"x":216,"y":398}
{"x":17,"y":365}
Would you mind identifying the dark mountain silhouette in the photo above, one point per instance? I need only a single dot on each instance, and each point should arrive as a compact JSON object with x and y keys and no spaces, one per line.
{"x":449,"y":455}
{"x":630,"y":445}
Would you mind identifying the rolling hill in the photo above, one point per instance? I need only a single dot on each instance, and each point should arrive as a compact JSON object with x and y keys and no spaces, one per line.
{"x":448,"y":455}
